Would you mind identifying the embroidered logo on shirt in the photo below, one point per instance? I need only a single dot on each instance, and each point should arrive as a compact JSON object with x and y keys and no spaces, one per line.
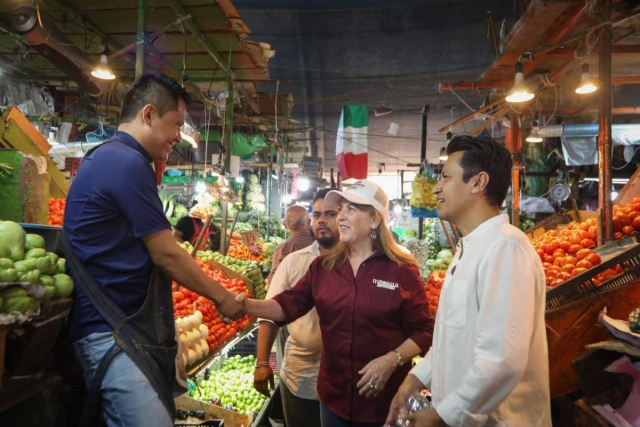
{"x":387,"y":285}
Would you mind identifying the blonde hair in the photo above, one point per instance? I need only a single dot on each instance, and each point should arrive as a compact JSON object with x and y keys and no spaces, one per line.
{"x":382,"y":243}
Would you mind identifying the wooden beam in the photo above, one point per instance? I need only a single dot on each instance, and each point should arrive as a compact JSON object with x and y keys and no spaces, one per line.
{"x":471,"y":116}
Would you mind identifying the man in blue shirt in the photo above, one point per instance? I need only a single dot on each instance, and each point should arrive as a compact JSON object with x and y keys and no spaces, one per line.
{"x":116,"y":229}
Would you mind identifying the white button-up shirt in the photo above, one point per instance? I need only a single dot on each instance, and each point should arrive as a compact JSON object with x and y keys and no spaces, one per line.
{"x":488,"y":365}
{"x":303,"y":349}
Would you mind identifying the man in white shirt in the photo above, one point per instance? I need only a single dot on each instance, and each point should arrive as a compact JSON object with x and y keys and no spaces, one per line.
{"x":303,"y":348}
{"x":488,"y":365}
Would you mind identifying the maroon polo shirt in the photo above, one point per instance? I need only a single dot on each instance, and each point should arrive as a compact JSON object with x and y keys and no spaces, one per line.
{"x":361,"y":318}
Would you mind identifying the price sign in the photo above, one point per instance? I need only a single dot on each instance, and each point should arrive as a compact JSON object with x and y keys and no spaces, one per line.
{"x":251,"y":236}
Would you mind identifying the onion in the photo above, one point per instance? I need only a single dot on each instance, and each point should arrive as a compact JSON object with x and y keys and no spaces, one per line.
{"x":184,"y":340}
{"x":191,"y":338}
{"x":180,"y":323}
{"x":204,"y":331}
{"x":198,"y":315}
{"x":205,"y":347}
{"x":198,"y":349}
{"x":191,"y":356}
{"x":184,"y":358}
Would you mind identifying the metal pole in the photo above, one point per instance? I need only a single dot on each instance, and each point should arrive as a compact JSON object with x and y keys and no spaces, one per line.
{"x":516,"y":147}
{"x":228,"y":137}
{"x":604,"y":134}
{"x":141,"y":51}
{"x":423,"y":157}
{"x":269,"y":183}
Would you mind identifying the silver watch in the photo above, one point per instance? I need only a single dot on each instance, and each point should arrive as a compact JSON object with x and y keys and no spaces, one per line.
{"x":399,"y":361}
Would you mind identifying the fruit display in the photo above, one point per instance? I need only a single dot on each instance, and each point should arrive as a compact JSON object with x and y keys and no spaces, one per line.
{"x":193,"y":337}
{"x":237,"y":265}
{"x":23,"y":259}
{"x":187,"y":303}
{"x":254,"y":198}
{"x":569,"y":252}
{"x":231,"y":386}
{"x":420,"y":250}
{"x":433,"y":287}
{"x":56,"y":211}
{"x":16,"y":299}
{"x":238,"y":250}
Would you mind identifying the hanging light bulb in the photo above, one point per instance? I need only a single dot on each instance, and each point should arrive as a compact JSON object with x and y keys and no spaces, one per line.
{"x":239,"y":179}
{"x":200,"y":187}
{"x":587,"y":85}
{"x":519,"y":92}
{"x":102,"y":70}
{"x":303,"y":184}
{"x":534,"y":136}
{"x":286,"y":199}
{"x":397,"y":208}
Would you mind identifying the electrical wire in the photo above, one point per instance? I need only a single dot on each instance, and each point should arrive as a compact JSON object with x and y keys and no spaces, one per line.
{"x":629,"y":162}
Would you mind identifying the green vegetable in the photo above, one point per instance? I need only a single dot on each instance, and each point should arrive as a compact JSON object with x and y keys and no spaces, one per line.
{"x":634,"y":321}
{"x":61,"y":264}
{"x":20,"y":304}
{"x":445,"y":254}
{"x":12,"y":240}
{"x":49,"y":292}
{"x":14,"y":291}
{"x":33,"y":241}
{"x":54,"y":257}
{"x":27,"y":271}
{"x":46,"y":280}
{"x":35,"y":253}
{"x":8,"y":275}
{"x":44,"y":264}
{"x":6,"y":263}
{"x":64,"y":285}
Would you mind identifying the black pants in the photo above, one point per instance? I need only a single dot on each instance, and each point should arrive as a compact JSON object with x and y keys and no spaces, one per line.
{"x":329,"y":419}
{"x":299,"y":412}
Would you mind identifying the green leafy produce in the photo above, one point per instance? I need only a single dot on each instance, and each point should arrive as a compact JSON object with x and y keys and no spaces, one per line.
{"x":12,"y":240}
{"x":180,"y":211}
{"x":27,"y":271}
{"x":16,"y":299}
{"x":8,"y":275}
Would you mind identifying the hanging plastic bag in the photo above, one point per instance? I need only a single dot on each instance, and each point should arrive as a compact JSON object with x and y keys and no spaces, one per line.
{"x":423,"y":201}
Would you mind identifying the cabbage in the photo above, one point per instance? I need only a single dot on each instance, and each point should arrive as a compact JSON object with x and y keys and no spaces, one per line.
{"x":445,"y":254}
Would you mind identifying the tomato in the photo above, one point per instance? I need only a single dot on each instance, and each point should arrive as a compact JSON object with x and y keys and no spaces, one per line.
{"x":578,"y":270}
{"x":551,"y":247}
{"x":546,"y":265}
{"x":618,"y":236}
{"x":636,"y":223}
{"x":564,"y":275}
{"x":574,"y":249}
{"x":617,"y":224}
{"x":554,"y":267}
{"x":583,"y":253}
{"x":556,"y":282}
{"x":178,"y":296}
{"x":558,"y":261}
{"x":593,"y":259}
{"x":565,"y":245}
{"x":618,"y":268}
{"x":575,"y":238}
{"x":568,"y":268}
{"x":587,"y":243}
{"x":558,"y":253}
{"x":624,"y":219}
{"x":568,"y":260}
{"x":593,"y":232}
{"x":583,"y":263}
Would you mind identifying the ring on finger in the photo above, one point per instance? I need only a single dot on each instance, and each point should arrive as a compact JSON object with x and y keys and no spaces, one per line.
{"x":372,"y":387}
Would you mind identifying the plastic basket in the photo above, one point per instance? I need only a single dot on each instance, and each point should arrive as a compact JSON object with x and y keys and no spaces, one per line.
{"x":583,"y":286}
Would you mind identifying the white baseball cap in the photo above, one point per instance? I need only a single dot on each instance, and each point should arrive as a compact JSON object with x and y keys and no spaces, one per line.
{"x":362,"y":193}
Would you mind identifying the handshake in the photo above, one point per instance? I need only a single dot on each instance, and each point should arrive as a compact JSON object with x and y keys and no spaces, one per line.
{"x":232,"y":307}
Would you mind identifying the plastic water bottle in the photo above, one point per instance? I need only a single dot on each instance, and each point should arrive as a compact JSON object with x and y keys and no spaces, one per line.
{"x":420,"y":401}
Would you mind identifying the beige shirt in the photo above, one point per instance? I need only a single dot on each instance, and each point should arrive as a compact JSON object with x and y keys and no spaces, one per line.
{"x":488,"y":365}
{"x":303,"y":349}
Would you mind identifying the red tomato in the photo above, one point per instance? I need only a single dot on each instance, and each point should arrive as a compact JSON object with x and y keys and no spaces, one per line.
{"x":617,"y":224}
{"x":593,"y":232}
{"x":551,"y":247}
{"x":574,"y":249}
{"x":583,"y":263}
{"x":578,"y":270}
{"x":587,"y":243}
{"x":583,"y":253}
{"x":636,"y":223}
{"x":568,"y":260}
{"x":593,"y":259}
{"x":617,"y":236}
{"x":568,"y":268}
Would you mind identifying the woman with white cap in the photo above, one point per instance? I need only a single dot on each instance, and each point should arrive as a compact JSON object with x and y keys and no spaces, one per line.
{"x":373,"y":311}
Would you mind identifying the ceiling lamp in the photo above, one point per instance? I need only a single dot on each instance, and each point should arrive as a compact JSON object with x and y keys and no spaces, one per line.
{"x":519,"y":92}
{"x":102,"y":70}
{"x":303,"y":183}
{"x":382,"y":111}
{"x":534,"y":136}
{"x":587,"y":85}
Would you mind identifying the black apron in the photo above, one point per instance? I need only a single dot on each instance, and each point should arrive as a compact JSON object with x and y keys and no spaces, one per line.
{"x":147,"y":337}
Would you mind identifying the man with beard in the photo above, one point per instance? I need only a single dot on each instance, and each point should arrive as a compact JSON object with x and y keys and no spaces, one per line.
{"x":303,"y":349}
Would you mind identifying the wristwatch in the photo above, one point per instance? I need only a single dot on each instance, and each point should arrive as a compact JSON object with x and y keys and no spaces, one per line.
{"x":399,"y":361}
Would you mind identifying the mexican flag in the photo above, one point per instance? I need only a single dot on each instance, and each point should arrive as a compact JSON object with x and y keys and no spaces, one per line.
{"x":351,"y":144}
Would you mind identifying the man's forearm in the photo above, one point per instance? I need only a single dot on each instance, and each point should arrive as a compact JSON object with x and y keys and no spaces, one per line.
{"x":267,"y":309}
{"x":267,"y":333}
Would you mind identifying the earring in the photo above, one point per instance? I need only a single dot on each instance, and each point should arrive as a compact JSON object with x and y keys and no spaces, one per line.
{"x":373,"y":234}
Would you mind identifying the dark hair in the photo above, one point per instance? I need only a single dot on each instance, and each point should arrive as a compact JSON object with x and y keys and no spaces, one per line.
{"x":320,"y":194}
{"x":485,"y":155}
{"x":159,"y":90}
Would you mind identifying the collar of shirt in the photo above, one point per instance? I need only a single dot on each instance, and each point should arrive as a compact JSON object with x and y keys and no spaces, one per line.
{"x":131,"y":142}
{"x":313,"y":248}
{"x":479,"y":234}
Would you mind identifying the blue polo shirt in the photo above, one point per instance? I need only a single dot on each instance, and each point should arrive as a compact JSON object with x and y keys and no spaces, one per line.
{"x":113,"y":202}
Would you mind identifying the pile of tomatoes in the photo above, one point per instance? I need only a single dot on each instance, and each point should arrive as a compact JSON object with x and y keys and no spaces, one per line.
{"x":433,"y":288}
{"x":56,"y":211}
{"x":186,"y":302}
{"x":569,"y":252}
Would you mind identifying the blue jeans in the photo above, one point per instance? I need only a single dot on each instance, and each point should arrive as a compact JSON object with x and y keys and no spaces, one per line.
{"x":329,"y":419}
{"x":128,"y":399}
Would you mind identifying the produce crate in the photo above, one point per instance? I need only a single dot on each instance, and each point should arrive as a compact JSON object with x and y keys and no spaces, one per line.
{"x":231,"y":418}
{"x":28,"y":355}
{"x":50,"y":234}
{"x":549,"y":223}
{"x":582,"y":285}
{"x":230,"y":274}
